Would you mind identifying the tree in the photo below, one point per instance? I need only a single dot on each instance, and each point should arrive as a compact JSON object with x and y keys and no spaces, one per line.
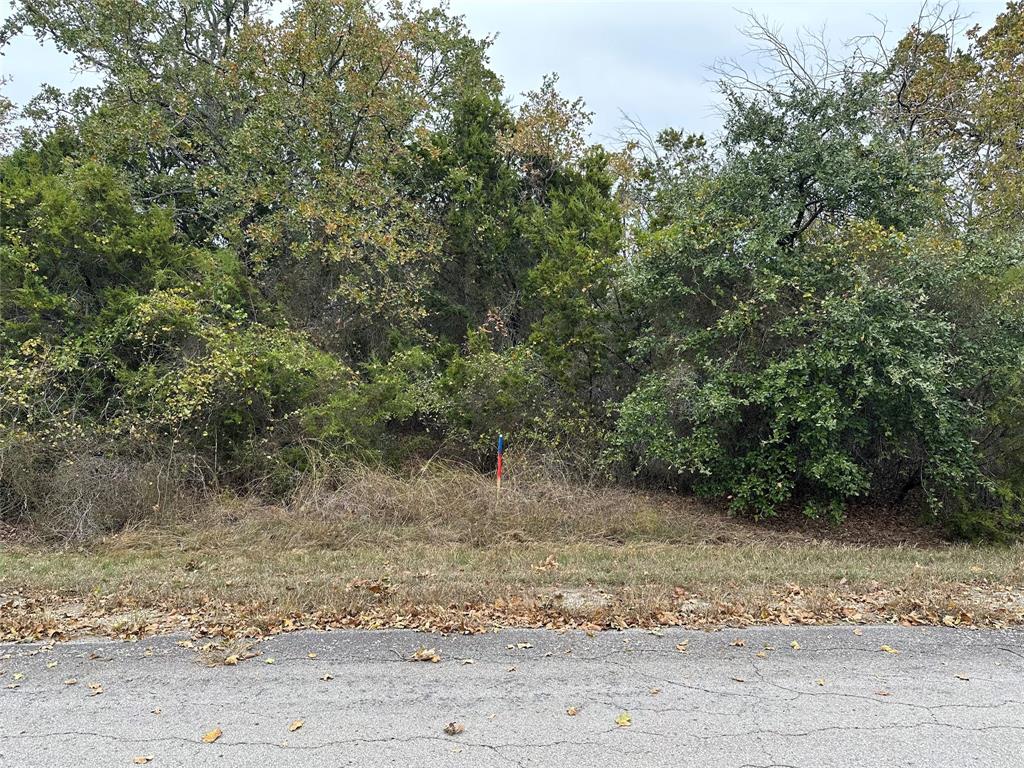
{"x":817,"y":328}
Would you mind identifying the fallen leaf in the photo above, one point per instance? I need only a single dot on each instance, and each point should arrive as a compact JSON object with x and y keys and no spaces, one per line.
{"x":95,"y":689}
{"x":739,"y":642}
{"x":882,"y":693}
{"x":889,"y":649}
{"x":18,"y":676}
{"x":426,"y":654}
{"x":51,"y":664}
{"x":327,"y":677}
{"x":795,"y":645}
{"x":962,"y":677}
{"x":683,"y":646}
{"x":858,"y":631}
{"x":231,"y":660}
{"x":454,"y":729}
{"x":519,"y":646}
{"x":156,"y":711}
{"x":311,"y":655}
{"x":572,"y":711}
{"x":271,"y":660}
{"x":820,"y":681}
{"x":468,"y":661}
{"x":654,"y":691}
{"x":211,"y":736}
{"x":142,"y":759}
{"x":624,"y":719}
{"x":761,"y":655}
{"x":739,"y":679}
{"x":71,"y":681}
{"x":294,"y":725}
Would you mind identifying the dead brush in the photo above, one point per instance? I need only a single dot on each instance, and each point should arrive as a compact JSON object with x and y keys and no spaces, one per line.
{"x":452,"y":502}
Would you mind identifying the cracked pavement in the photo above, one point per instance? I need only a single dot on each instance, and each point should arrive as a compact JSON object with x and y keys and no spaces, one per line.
{"x":731,"y":699}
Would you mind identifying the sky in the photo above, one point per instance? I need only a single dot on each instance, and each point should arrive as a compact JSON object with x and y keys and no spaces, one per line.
{"x":645,"y":58}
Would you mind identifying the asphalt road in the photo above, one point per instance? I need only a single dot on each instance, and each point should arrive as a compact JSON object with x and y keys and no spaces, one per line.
{"x":730,"y":699}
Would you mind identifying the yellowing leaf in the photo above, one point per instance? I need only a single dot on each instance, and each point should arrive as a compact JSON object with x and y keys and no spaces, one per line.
{"x":231,"y":660}
{"x":294,"y":725}
{"x":624,"y":720}
{"x":889,"y":649}
{"x":795,"y":645}
{"x":271,"y":660}
{"x":211,"y":736}
{"x":820,"y":681}
{"x":51,"y":664}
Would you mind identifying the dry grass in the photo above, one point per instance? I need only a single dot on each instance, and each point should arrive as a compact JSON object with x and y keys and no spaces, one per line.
{"x":435,"y":548}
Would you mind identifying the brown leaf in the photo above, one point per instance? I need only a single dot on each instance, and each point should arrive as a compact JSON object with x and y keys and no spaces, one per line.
{"x":683,"y":647}
{"x":142,"y":759}
{"x":95,"y":689}
{"x":454,"y":729}
{"x":294,"y":725}
{"x":211,"y":736}
{"x":572,"y":711}
{"x":426,"y":654}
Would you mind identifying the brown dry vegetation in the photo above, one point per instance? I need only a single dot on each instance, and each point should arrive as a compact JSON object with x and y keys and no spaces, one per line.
{"x":435,"y":548}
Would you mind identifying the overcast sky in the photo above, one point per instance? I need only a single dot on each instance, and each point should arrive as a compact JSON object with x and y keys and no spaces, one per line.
{"x":648,"y":58}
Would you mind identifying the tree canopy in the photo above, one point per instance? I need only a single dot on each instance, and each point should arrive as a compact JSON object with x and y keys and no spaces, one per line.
{"x":275,"y":234}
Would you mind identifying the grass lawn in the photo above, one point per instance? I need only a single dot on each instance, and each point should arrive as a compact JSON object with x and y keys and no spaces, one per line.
{"x":438,"y":552}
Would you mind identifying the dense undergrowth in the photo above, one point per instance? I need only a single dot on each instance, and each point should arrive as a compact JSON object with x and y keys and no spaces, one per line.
{"x":268,"y":248}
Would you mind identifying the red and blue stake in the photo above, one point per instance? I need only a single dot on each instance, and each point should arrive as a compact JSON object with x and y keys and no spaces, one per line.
{"x":501,"y":453}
